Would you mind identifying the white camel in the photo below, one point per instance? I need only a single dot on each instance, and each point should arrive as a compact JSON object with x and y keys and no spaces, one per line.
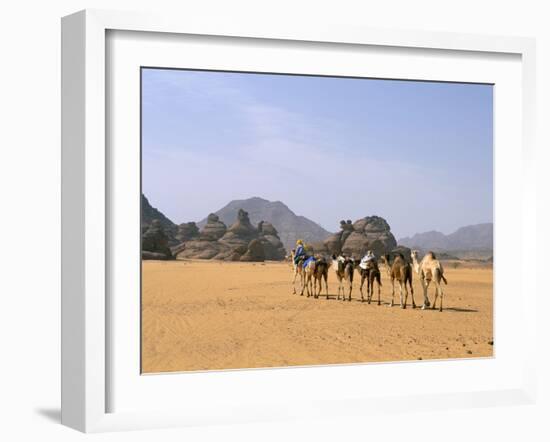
{"x":298,"y":271}
{"x":429,"y":269}
{"x":343,"y":269}
{"x":308,"y":276}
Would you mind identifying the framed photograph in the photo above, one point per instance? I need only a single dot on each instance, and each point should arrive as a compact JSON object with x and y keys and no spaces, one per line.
{"x":266,"y":222}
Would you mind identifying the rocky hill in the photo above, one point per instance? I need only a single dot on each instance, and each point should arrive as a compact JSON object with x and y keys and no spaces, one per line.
{"x":289,"y":226}
{"x":150,"y":213}
{"x":476,"y":237}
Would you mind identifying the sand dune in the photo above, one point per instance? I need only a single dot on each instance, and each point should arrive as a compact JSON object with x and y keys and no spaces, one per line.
{"x":204,"y":315}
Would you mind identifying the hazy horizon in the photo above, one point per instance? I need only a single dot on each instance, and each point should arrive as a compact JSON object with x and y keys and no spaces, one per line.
{"x":419,"y":154}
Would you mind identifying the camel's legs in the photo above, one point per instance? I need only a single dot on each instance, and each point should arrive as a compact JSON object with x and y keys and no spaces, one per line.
{"x":325,"y":276}
{"x":436,"y":294}
{"x":406,"y":294}
{"x":378,"y":292}
{"x":316,"y":289}
{"x":412,"y":293}
{"x":369,"y":289}
{"x":294,"y":281}
{"x":439,"y":290}
{"x":320,"y":288}
{"x":361,"y":288}
{"x":343,"y":285}
{"x":392,"y":291}
{"x":425,"y":285}
{"x":350,"y":289}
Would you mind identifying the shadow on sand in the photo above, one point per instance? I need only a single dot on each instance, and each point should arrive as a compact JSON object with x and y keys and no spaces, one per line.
{"x":460,"y":310}
{"x":375,"y":302}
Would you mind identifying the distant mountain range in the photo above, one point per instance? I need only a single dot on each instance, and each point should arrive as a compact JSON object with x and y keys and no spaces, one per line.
{"x":478,"y":237}
{"x":289,"y":225}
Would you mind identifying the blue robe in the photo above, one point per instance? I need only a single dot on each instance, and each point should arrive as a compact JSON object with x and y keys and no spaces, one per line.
{"x":307,"y":261}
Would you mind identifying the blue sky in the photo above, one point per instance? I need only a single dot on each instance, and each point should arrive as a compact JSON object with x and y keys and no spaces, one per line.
{"x":419,"y":154}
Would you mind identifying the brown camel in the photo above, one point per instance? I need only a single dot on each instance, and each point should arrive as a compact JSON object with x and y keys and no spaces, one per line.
{"x":401,"y":271}
{"x":320,"y":273}
{"x":429,"y":269}
{"x":370,"y":274}
{"x":343,"y":269}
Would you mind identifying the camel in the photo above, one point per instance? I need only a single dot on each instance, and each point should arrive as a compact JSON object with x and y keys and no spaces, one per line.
{"x":429,"y":269}
{"x":320,"y":273}
{"x":371,"y":274}
{"x":343,"y":269}
{"x":401,"y":271}
{"x":308,"y":276}
{"x":298,"y":270}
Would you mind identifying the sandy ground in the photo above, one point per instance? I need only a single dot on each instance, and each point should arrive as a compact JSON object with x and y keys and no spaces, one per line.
{"x":204,"y":315}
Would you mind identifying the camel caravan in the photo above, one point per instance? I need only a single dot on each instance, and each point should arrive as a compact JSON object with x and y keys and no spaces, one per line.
{"x":311,"y":273}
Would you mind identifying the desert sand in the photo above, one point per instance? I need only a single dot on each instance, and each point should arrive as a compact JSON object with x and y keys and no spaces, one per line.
{"x":208,"y":315}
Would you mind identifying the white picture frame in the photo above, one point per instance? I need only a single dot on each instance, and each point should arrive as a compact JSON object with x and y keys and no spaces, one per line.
{"x":86,"y":210}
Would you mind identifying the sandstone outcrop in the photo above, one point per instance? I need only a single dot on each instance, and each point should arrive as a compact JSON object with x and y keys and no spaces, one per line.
{"x":354,"y":239}
{"x":187,"y":231}
{"x":240,"y":242}
{"x":154,"y":242}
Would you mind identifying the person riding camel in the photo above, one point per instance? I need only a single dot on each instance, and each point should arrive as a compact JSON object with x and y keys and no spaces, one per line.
{"x":300,"y":251}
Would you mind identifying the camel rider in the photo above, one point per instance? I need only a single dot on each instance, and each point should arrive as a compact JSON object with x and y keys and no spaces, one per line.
{"x":365,"y":260}
{"x":300,"y":251}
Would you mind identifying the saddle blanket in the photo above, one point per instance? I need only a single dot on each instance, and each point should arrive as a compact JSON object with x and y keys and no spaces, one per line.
{"x":307,"y":261}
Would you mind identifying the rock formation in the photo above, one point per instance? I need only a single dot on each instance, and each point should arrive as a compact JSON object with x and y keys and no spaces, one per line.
{"x":240,"y":242}
{"x":149,"y":213}
{"x":255,"y":251}
{"x":273,"y":247}
{"x":354,"y":239}
{"x":154,"y":242}
{"x":214,"y":228}
{"x":187,"y":231}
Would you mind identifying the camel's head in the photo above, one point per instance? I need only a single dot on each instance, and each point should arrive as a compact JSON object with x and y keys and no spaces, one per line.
{"x":414,"y":254}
